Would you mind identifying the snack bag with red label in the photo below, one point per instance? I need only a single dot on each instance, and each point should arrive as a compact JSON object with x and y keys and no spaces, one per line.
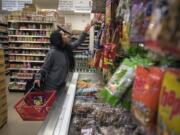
{"x":169,"y":104}
{"x":145,"y":95}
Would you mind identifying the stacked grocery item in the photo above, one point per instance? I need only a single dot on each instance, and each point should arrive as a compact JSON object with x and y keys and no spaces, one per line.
{"x":92,"y":116}
{"x":99,"y":118}
{"x":4,"y":39}
{"x":3,"y":97}
{"x":146,"y":80}
{"x":28,"y":45}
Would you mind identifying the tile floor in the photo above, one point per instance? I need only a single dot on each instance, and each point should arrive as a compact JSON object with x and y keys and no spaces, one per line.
{"x":15,"y":125}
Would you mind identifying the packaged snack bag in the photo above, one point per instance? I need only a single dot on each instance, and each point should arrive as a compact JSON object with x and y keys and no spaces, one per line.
{"x":97,"y":58}
{"x":169,"y":104}
{"x":162,"y":35}
{"x":111,"y":5}
{"x":109,"y":55}
{"x":108,"y":11}
{"x":121,"y":80}
{"x":140,"y":18}
{"x":145,"y":95}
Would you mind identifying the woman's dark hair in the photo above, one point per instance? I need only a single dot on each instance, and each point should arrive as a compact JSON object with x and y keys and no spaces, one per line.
{"x":57,"y":41}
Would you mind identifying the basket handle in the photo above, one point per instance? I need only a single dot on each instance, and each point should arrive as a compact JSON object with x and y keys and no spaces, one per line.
{"x":29,"y":91}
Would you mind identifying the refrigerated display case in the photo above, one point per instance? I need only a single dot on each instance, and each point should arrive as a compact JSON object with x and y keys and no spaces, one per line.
{"x":63,"y":116}
{"x":59,"y":117}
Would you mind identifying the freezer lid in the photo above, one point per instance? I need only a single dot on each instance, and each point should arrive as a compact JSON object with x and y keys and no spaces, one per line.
{"x":61,"y":110}
{"x":63,"y":123}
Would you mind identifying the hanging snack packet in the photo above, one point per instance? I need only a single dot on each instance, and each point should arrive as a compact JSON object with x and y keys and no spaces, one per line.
{"x":145,"y":95}
{"x":121,"y":80}
{"x":163,"y":32}
{"x":169,"y":104}
{"x":140,"y":18}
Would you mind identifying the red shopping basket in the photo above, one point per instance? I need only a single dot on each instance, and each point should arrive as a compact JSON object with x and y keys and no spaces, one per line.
{"x":30,"y":112}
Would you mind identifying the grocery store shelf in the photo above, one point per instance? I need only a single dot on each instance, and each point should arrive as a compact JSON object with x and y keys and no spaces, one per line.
{"x":3,"y":36}
{"x":3,"y":24}
{"x":18,"y":48}
{"x":32,"y":42}
{"x":78,"y":51}
{"x":28,"y":61}
{"x":41,"y":55}
{"x":30,"y":29}
{"x":24,"y":69}
{"x":5,"y":32}
{"x":16,"y":90}
{"x":3,"y":42}
{"x":21,"y":83}
{"x":40,"y":22}
{"x":82,"y":48}
{"x":28,"y":36}
{"x":22,"y":78}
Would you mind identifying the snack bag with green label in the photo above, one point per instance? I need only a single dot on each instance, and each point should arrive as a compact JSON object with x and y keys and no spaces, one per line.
{"x":121,"y":80}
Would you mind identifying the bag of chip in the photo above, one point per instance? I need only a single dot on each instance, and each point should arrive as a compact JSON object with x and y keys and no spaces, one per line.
{"x":169,"y":104}
{"x":140,"y":18}
{"x":145,"y":95}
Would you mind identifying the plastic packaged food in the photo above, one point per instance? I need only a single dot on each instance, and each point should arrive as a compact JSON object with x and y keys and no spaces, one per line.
{"x":145,"y":95}
{"x":169,"y":104}
{"x":163,"y":32}
{"x":140,"y":18}
{"x":121,"y":79}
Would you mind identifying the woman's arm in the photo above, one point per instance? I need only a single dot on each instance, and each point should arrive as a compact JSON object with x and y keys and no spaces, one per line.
{"x":79,"y":41}
{"x":81,"y":38}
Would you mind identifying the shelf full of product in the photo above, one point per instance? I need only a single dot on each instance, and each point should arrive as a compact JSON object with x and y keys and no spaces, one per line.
{"x":4,"y":42}
{"x":28,"y":46}
{"x":3,"y":96}
{"x":141,"y":91}
{"x":83,"y":111}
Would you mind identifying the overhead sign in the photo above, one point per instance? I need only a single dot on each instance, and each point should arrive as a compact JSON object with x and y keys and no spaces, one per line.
{"x":65,"y":5}
{"x":82,"y":5}
{"x":13,"y":5}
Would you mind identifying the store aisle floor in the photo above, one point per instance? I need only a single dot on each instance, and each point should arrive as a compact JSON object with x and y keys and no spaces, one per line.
{"x":15,"y":125}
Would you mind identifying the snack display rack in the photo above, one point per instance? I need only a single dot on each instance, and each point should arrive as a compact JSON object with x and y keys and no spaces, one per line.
{"x":28,"y":45}
{"x":4,"y":42}
{"x":3,"y":97}
{"x":137,"y":97}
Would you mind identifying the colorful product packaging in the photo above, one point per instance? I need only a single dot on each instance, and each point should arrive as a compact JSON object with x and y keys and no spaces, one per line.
{"x":162,"y":35}
{"x":109,"y":55}
{"x":140,"y":18}
{"x":169,"y":104}
{"x":108,"y":11}
{"x":121,"y":80}
{"x":145,"y":96}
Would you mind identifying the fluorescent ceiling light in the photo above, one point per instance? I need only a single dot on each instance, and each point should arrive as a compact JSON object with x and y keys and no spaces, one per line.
{"x":81,"y":11}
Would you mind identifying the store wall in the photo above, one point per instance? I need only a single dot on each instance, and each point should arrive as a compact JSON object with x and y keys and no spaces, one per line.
{"x":78,"y":21}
